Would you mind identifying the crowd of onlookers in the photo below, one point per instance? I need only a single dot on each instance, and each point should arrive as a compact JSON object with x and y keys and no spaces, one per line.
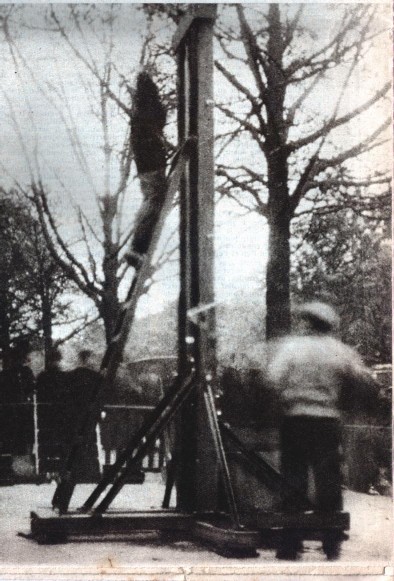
{"x":42,"y":413}
{"x":61,"y":397}
{"x":17,"y":386}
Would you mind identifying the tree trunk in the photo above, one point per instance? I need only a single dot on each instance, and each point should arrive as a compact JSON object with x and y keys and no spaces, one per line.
{"x":278,"y":277}
{"x":109,"y":312}
{"x":46,"y":322}
{"x":5,"y":339}
{"x":278,"y":319}
{"x":109,"y":308}
{"x":110,"y":303}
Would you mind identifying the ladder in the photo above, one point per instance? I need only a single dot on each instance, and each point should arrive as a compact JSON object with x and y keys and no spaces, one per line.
{"x":113,"y":355}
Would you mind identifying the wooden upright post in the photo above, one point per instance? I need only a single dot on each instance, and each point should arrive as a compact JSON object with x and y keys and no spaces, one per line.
{"x":197,"y":481}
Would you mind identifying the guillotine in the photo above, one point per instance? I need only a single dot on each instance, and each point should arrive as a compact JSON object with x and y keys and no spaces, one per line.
{"x":206,"y":501}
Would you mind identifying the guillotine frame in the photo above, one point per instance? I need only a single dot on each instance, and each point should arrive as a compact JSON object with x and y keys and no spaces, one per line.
{"x":200,"y":470}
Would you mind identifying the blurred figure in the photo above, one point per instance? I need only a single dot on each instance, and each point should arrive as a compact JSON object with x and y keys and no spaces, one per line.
{"x":249,"y":407}
{"x":51,"y":396}
{"x":151,"y":388}
{"x":18,"y":379}
{"x":121,"y":419}
{"x":16,"y":390}
{"x":148,"y":144}
{"x":316,"y":376}
{"x":82,"y":384}
{"x":119,"y":422}
{"x":49,"y":388}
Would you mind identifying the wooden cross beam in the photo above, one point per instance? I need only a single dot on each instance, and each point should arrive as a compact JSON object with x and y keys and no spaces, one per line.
{"x":195,"y":12}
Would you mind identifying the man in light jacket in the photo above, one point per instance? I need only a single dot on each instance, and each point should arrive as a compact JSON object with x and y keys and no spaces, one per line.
{"x":315,"y":375}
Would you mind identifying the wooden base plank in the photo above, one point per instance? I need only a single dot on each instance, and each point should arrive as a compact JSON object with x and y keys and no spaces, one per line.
{"x":224,"y":537}
{"x":298,"y":520}
{"x":48,"y":524}
{"x":260,"y":529}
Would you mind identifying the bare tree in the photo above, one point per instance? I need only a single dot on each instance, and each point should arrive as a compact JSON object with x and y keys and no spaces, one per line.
{"x":33,"y":287}
{"x":279,"y":100}
{"x":96,"y":265}
{"x":294,"y":118}
{"x":345,"y":257}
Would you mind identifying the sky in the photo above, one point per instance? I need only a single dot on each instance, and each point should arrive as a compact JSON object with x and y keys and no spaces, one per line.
{"x":42,"y":82}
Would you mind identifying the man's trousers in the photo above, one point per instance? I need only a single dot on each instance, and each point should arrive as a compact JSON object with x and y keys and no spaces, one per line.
{"x":315,"y":442}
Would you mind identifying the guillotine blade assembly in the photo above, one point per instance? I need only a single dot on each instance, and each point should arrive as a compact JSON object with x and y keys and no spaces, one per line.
{"x":206,"y":499}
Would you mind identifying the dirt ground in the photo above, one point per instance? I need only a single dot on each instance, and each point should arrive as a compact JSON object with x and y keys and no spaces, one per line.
{"x":370,"y":538}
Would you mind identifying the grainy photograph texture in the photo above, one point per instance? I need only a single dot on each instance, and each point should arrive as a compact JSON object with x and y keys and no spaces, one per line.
{"x":195,"y":290}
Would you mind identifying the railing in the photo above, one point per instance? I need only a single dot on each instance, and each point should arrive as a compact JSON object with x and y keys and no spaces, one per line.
{"x":367,"y":455}
{"x":117,"y":425}
{"x":38,"y":432}
{"x":22,"y":436}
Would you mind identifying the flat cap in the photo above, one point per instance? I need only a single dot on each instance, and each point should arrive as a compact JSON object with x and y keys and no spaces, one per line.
{"x":321,"y":312}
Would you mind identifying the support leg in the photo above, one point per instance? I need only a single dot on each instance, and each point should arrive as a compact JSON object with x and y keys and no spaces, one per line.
{"x":326,"y":463}
{"x":171,"y":470}
{"x":294,"y":469}
{"x":167,"y":400}
{"x":145,"y":443}
{"x":220,"y":454}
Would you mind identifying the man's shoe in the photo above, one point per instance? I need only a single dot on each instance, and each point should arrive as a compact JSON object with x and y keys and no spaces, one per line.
{"x":289,"y":548}
{"x":287,"y":554}
{"x":332,"y":547}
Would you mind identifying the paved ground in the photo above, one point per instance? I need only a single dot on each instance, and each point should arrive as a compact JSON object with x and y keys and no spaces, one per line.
{"x":370,"y":537}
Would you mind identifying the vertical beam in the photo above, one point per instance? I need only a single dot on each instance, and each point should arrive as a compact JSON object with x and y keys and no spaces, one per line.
{"x":186,"y":428}
{"x":207,"y":471}
{"x":197,"y":474}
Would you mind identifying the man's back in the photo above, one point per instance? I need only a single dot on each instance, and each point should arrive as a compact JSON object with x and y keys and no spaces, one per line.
{"x":309,"y":372}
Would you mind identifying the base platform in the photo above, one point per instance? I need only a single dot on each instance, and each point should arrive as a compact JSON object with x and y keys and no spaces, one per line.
{"x":48,"y":526}
{"x":214,"y":529}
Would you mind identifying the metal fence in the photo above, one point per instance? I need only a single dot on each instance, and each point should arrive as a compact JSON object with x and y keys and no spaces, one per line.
{"x":367,"y":456}
{"x":25,"y":434}
{"x":34,"y":437}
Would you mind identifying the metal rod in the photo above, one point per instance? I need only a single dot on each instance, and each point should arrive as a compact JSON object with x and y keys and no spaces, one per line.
{"x":221,"y":454}
{"x":128,"y":451}
{"x":263,"y":469}
{"x":145,"y":443}
{"x":170,"y":481}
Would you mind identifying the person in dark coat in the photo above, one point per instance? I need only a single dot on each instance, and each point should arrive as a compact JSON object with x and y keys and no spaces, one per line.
{"x":16,"y":393}
{"x":147,"y":140}
{"x":82,"y":384}
{"x":315,"y":376}
{"x":52,"y":435}
{"x":118,"y":421}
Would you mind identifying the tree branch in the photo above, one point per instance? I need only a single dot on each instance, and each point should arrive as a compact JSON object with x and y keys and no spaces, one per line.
{"x":300,"y":100}
{"x":301,"y":186}
{"x":89,"y":66}
{"x":334,"y":123}
{"x":252,"y":50}
{"x":78,"y":330}
{"x":91,"y":259}
{"x":366,"y":145}
{"x":243,"y":123}
{"x":225,"y":191}
{"x":292,"y":26}
{"x":83,"y":283}
{"x":243,"y":186}
{"x":235,"y":82}
{"x":316,"y":65}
